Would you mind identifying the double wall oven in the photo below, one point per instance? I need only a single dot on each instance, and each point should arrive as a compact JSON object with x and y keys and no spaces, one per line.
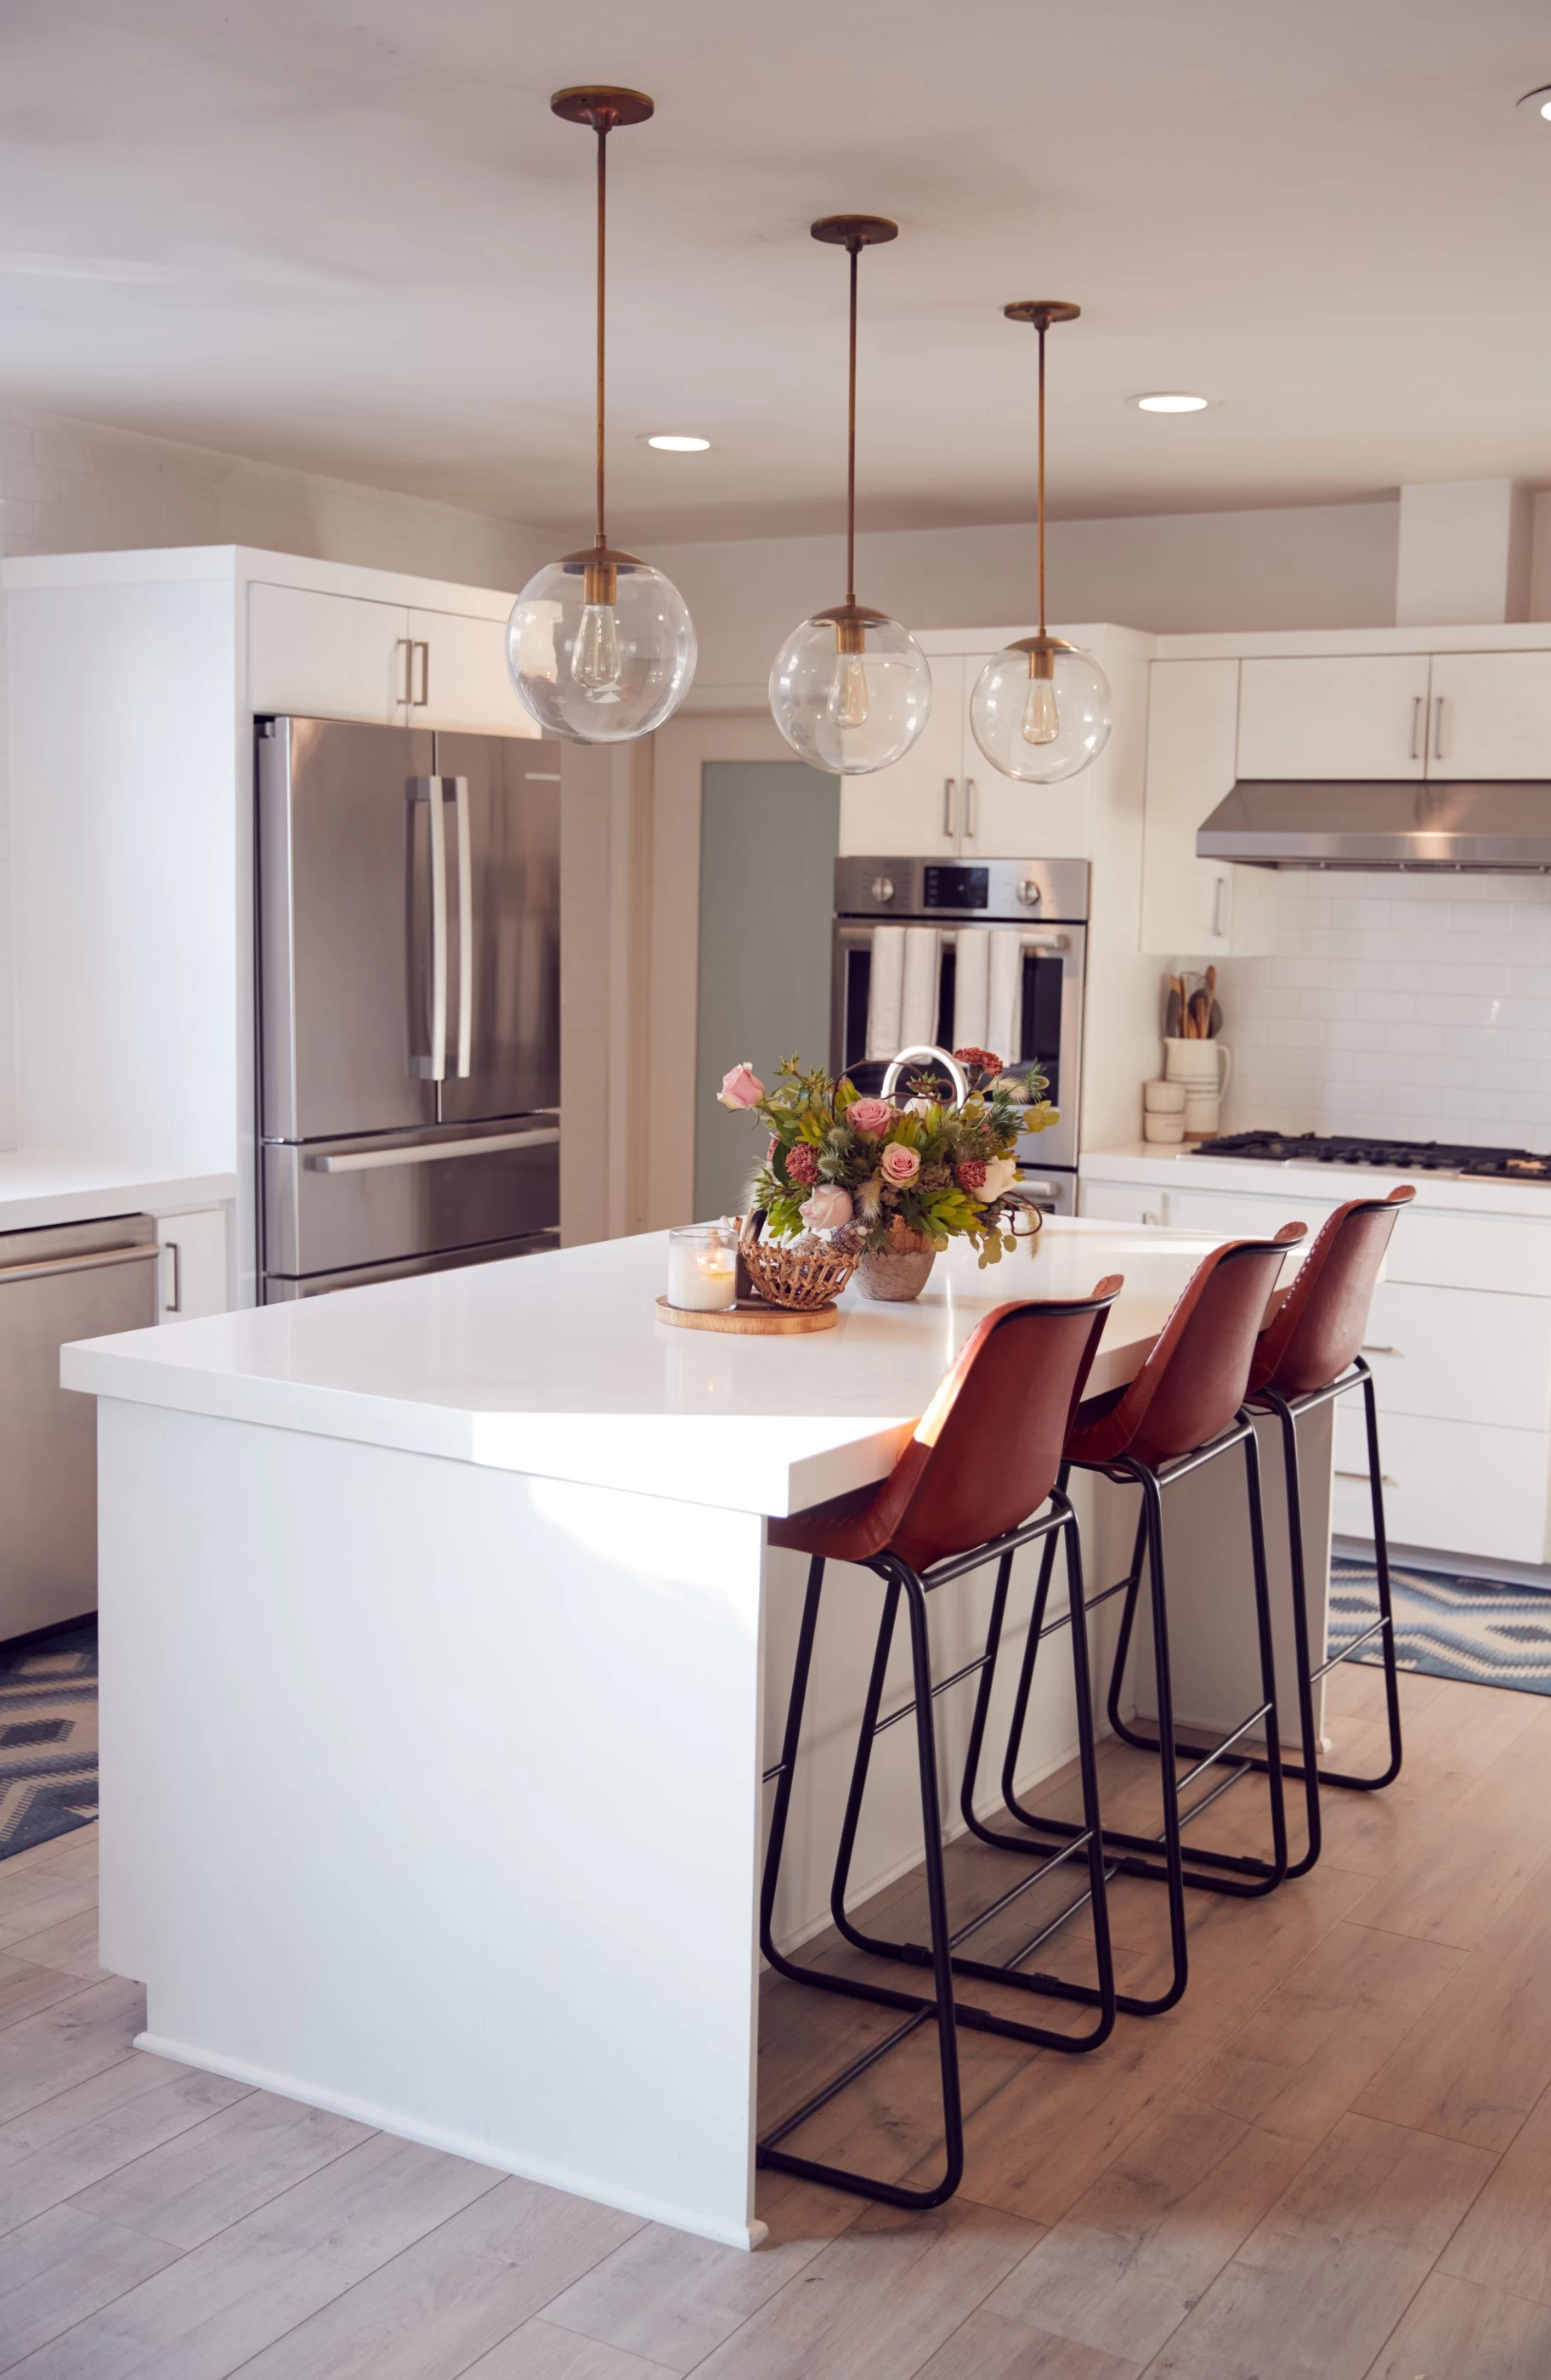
{"x":988,"y":952}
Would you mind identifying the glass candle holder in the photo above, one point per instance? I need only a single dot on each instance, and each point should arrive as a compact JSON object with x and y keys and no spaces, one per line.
{"x":702,"y":1267}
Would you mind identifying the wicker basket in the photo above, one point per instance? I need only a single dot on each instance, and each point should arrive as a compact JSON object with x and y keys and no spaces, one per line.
{"x":797,"y":1276}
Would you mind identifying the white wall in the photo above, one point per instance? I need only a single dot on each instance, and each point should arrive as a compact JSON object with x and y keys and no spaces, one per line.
{"x":1412,"y":1006}
{"x":67,"y":487}
{"x":1318,"y":567}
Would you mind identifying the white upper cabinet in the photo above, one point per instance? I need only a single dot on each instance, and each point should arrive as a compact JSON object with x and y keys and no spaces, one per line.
{"x":1361,"y":715}
{"x":916,"y":808}
{"x":1005,"y":819}
{"x":1192,"y":709}
{"x":1491,"y":715}
{"x":458,"y":677}
{"x":327,"y":656}
{"x":944,"y":800}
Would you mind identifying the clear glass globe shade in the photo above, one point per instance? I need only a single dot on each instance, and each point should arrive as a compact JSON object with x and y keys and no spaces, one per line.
{"x":1040,"y":730}
{"x":601,"y":673}
{"x":851,"y":713}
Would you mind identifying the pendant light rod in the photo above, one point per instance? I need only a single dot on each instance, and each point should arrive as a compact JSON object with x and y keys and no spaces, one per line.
{"x":853,"y":233}
{"x":600,"y":535}
{"x":602,"y":108}
{"x":1041,"y":312}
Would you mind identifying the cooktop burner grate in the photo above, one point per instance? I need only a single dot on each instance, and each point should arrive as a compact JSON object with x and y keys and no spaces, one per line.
{"x":1391,"y":1156}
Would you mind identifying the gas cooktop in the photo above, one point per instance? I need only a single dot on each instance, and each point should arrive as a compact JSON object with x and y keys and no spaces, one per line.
{"x":1392,"y":1156}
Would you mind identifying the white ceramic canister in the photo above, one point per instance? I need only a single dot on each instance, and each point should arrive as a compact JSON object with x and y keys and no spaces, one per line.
{"x":1163,"y":1098}
{"x":1200,"y":1065}
{"x":1163,"y":1127}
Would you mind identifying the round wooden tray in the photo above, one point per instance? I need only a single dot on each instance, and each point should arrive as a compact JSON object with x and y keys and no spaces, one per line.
{"x":750,"y":1314}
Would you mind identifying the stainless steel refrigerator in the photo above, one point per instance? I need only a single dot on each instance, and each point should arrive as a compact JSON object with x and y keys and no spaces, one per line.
{"x":409,"y":1001}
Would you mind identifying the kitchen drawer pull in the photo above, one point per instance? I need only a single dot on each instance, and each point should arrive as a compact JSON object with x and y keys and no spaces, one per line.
{"x":92,"y":1262}
{"x":377,"y":1160}
{"x":1384,"y":1478}
{"x":1367,"y":1349}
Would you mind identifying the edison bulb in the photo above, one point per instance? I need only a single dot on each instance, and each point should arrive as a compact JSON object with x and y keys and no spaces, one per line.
{"x":851,"y":713}
{"x":848,"y":692}
{"x":598,"y":665}
{"x":1041,"y":729}
{"x":1041,"y":718}
{"x":601,"y":673}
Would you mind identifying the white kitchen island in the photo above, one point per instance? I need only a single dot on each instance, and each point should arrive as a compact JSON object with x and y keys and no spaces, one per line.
{"x":442,"y":1654}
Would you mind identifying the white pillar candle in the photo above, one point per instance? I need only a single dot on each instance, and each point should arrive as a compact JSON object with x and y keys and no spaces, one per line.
{"x":702,"y":1269}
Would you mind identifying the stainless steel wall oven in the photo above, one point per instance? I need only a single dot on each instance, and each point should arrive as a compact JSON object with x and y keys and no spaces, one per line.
{"x":989,"y":952}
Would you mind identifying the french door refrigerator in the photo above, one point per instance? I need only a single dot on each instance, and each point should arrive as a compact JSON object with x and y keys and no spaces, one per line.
{"x":409,"y":1001}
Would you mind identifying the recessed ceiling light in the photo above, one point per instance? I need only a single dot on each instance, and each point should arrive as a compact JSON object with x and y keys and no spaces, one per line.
{"x":1169,"y":401}
{"x":672,"y":443}
{"x":1538,"y":103}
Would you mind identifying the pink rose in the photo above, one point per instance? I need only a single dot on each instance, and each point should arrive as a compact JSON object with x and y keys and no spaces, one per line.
{"x":828,"y":1207}
{"x":871,"y":1116}
{"x":741,"y":1087}
{"x":900,"y":1164}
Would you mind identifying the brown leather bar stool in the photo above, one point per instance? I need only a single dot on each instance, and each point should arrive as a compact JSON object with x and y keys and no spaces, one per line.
{"x":1310,"y":1353}
{"x":1184,"y":1408}
{"x":983,"y":1458}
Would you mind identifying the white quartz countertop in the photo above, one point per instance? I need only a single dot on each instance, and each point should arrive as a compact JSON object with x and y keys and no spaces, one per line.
{"x":40,"y":1186}
{"x":558,"y":1364}
{"x":1161,"y":1165}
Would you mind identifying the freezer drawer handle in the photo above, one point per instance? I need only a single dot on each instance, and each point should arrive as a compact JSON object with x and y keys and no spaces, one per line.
{"x":142,"y":1252}
{"x":377,"y":1161}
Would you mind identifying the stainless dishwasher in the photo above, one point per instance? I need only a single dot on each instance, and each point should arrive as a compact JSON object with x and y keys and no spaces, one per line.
{"x":73,"y":1280}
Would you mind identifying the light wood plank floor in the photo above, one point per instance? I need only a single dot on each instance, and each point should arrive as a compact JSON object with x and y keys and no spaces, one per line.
{"x":1332,"y":2162}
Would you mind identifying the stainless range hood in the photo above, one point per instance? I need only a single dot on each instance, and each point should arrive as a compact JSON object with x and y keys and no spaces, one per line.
{"x":1501,"y":827}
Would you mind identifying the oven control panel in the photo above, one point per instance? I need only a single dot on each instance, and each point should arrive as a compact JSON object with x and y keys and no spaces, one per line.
{"x":956,"y":888}
{"x":1025,"y":891}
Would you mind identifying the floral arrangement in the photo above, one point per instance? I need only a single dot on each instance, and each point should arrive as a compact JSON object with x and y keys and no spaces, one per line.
{"x":880,"y":1177}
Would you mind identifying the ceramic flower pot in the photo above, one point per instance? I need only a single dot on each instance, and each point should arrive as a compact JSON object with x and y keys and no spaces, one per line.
{"x":896,"y":1274}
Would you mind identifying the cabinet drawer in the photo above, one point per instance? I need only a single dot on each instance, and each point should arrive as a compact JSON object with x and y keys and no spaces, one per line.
{"x":1493,"y":1252}
{"x":1462,"y":1486}
{"x":1461,"y":1355}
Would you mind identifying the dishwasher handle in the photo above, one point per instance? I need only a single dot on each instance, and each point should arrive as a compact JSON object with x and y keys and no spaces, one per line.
{"x":95,"y":1261}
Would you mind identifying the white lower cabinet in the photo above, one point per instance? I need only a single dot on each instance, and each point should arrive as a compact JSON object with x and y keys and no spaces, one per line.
{"x":1458,"y":1487}
{"x":194,"y":1271}
{"x":1461,"y":1355}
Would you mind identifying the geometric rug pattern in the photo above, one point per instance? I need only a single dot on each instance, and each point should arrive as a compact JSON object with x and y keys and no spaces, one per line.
{"x":1482,"y":1630}
{"x":48,"y":1736}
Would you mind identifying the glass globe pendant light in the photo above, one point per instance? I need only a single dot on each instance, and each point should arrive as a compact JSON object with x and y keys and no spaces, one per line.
{"x":599,"y":645}
{"x":1040,"y":711}
{"x":851,"y":689}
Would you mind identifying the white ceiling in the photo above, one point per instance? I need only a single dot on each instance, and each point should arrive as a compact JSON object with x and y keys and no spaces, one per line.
{"x":348,"y":236}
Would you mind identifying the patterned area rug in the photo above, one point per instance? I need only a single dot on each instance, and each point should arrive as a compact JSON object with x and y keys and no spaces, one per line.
{"x":1482,"y":1630}
{"x":48,"y":1736}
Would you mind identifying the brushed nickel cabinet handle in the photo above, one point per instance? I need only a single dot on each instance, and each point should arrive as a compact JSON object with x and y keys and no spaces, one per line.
{"x":423,"y":698}
{"x":1438,"y":752}
{"x":950,"y":805}
{"x":1418,"y":705}
{"x":1367,"y":1349}
{"x":1217,"y":908}
{"x":972,"y":808}
{"x":1384,"y":1478}
{"x":406,"y":685}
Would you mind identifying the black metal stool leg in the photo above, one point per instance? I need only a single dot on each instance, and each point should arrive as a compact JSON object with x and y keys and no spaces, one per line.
{"x":769,"y":2153}
{"x":1007,"y":1973}
{"x":1385,"y":1612}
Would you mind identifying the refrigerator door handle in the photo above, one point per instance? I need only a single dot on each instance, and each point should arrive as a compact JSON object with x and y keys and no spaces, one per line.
{"x":431,"y":1152}
{"x":465,"y":929}
{"x":431,"y":791}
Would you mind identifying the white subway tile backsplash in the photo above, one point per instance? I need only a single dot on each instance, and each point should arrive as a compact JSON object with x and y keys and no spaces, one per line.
{"x":1412,"y":1006}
